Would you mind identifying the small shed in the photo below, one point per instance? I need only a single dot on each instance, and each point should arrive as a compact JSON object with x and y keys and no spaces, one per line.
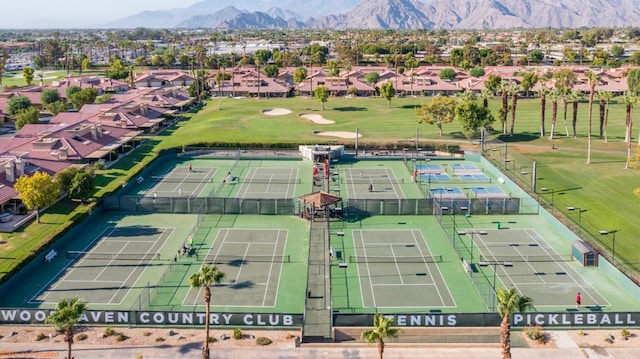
{"x":321,"y":205}
{"x":584,"y":254}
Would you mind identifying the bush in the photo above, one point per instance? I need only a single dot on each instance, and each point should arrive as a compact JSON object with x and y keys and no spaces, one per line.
{"x":81,"y":337}
{"x":625,"y":333}
{"x":212,"y":340}
{"x":40,"y":336}
{"x":159,"y":339}
{"x":263,"y":341}
{"x":121,"y":337}
{"x":139,"y":356}
{"x":108,"y":331}
{"x":237,"y":333}
{"x":146,"y":333}
{"x":534,"y":333}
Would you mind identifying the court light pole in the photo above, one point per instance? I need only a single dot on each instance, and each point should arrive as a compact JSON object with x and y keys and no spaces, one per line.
{"x":580,"y":210}
{"x":613,"y":245}
{"x":495,"y":270}
{"x":550,"y":190}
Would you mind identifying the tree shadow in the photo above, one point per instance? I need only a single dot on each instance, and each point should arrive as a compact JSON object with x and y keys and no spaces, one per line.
{"x":350,"y":108}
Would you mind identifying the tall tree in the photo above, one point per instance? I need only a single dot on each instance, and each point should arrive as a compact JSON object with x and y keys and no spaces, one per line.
{"x":382,"y":329}
{"x":472,"y":117}
{"x":504,"y":111}
{"x":321,"y":93}
{"x":509,"y":303}
{"x":542,"y":93}
{"x":574,"y":97}
{"x":592,"y":77}
{"x":565,"y":79}
{"x":438,"y":111}
{"x":554,"y":96}
{"x":514,"y":89}
{"x":204,"y":278}
{"x":37,"y":191}
{"x":604,"y":98}
{"x":4,"y":58}
{"x":65,"y":318}
{"x":28,"y":73}
{"x":485,"y":95}
{"x":629,"y":100}
{"x":387,"y":91}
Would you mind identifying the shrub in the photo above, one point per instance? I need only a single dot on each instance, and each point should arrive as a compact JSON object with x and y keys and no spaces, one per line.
{"x":121,"y":337}
{"x":40,"y":336}
{"x":581,"y":333}
{"x":237,"y":333}
{"x":290,"y":336}
{"x":212,"y":340}
{"x":625,"y":333}
{"x":146,"y":333}
{"x":81,"y":337}
{"x":263,"y":341}
{"x":534,"y":333}
{"x":159,"y":339}
{"x":139,"y":356}
{"x":108,"y":331}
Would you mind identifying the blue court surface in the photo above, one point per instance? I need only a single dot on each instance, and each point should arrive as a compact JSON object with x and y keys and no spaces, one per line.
{"x":464,"y":167}
{"x":435,"y":177}
{"x":447,"y":192}
{"x":487,"y":191}
{"x":473,"y":177}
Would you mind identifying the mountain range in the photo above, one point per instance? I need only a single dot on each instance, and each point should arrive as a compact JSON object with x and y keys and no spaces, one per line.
{"x":390,"y":14}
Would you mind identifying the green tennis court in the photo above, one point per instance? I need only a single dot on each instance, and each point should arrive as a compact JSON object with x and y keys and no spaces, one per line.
{"x":372,"y":183}
{"x":522,"y":259}
{"x":106,"y":270}
{"x":397,"y":269}
{"x":252,"y":260}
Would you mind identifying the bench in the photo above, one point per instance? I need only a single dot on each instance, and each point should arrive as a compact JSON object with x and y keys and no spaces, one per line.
{"x":52,"y":253}
{"x":6,"y":217}
{"x":139,"y":180}
{"x":467,"y":266}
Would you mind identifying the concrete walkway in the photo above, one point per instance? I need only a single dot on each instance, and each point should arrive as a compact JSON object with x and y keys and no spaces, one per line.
{"x":330,"y":351}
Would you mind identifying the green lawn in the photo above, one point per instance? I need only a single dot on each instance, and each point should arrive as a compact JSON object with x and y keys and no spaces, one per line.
{"x":603,"y":188}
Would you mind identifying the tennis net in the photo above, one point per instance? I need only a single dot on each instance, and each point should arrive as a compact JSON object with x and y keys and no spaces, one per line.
{"x":367,"y":180}
{"x":533,"y":258}
{"x":112,"y":256}
{"x":245,"y":259}
{"x":270,"y":180}
{"x":179,"y":179}
{"x":396,"y":259}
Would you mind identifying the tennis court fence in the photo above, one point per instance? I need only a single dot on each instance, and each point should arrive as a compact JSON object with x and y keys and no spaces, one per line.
{"x":231,"y":259}
{"x":526,"y":258}
{"x":395,"y":259}
{"x":88,"y":255}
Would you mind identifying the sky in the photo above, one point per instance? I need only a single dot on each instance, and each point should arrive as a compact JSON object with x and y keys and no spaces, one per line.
{"x":76,"y":13}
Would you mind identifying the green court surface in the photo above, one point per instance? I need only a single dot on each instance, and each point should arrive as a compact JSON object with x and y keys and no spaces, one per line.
{"x":443,"y":263}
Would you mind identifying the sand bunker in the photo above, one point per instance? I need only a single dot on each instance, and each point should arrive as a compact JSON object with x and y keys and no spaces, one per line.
{"x":276,"y":112}
{"x":341,"y":134}
{"x":316,"y":118}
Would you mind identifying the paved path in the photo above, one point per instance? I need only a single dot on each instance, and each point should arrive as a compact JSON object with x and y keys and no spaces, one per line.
{"x":289,"y":352}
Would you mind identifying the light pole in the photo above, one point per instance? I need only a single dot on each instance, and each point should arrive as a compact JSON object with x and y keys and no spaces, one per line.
{"x":495,"y":266}
{"x":613,"y":245}
{"x":580,"y":210}
{"x":552,"y":191}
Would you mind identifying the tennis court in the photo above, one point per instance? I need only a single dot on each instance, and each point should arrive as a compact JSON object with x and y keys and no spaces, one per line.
{"x":105,"y":271}
{"x":520,"y":258}
{"x":371,"y":183}
{"x":252,"y":261}
{"x":267,"y":183}
{"x":447,"y":192}
{"x":179,"y":182}
{"x":487,"y":191}
{"x":397,"y":269}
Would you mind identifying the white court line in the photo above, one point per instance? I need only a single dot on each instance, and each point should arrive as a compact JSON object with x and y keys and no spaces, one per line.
{"x":408,"y":285}
{"x":360,"y":276}
{"x":568,"y":269}
{"x":396,"y":263}
{"x":391,"y":175}
{"x":244,"y":258}
{"x":91,"y":281}
{"x":415,"y":239}
{"x":273,"y":255}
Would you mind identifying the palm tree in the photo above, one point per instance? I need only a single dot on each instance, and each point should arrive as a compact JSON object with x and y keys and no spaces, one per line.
{"x":207,"y":276}
{"x":553,"y":96}
{"x":381,"y":330}
{"x":509,"y":303}
{"x":592,"y":77}
{"x":514,"y":89}
{"x":504,"y":92}
{"x":604,"y":97}
{"x":542,"y":92}
{"x":629,"y":100}
{"x":485,"y":94}
{"x":66,"y":317}
{"x":574,"y":97}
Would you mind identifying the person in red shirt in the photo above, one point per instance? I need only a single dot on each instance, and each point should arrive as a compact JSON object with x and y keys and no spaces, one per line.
{"x":578,"y":300}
